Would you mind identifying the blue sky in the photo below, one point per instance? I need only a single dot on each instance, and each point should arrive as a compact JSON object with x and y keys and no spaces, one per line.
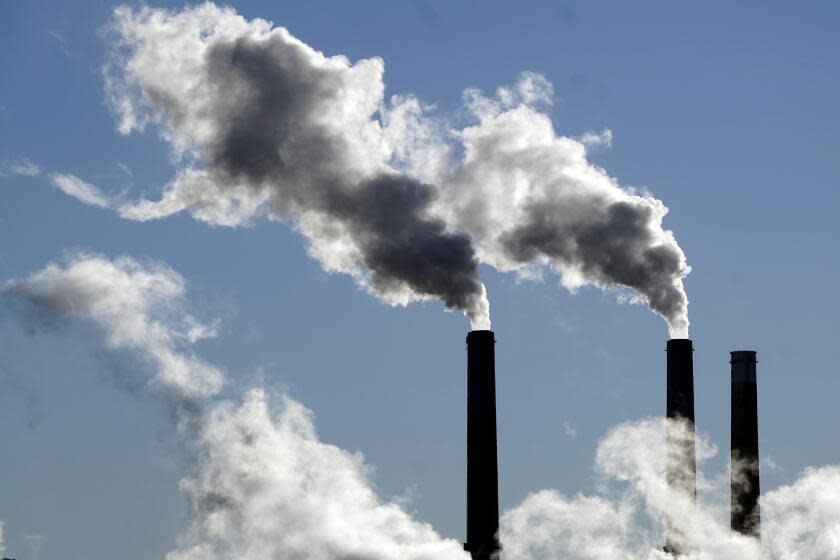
{"x":725,"y":111}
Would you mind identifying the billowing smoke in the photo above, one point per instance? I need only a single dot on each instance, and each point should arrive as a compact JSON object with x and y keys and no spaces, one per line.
{"x":530,"y":199}
{"x":264,"y":126}
{"x":268,"y":126}
{"x":262,"y":484}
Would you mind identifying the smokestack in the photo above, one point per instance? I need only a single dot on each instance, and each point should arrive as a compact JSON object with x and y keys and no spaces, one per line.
{"x":482,"y":471}
{"x":681,"y":467}
{"x":745,"y":489}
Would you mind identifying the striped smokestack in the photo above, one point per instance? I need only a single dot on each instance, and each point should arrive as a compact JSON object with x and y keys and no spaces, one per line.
{"x":482,"y":471}
{"x":745,"y":488}
{"x":681,"y":466}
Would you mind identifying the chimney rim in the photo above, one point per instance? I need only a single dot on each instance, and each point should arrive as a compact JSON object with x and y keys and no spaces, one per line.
{"x":748,"y":356}
{"x":679,"y":344}
{"x":481,"y":335}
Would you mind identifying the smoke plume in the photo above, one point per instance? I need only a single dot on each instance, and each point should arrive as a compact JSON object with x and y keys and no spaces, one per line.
{"x":264,"y":126}
{"x":267,"y":126}
{"x":531,"y":199}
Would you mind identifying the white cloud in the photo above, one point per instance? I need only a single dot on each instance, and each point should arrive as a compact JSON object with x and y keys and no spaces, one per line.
{"x":139,"y":307}
{"x":263,"y":485}
{"x":125,"y":169}
{"x":625,"y":519}
{"x":80,"y":190}
{"x":802,"y":520}
{"x":60,"y":40}
{"x":597,"y":139}
{"x":569,"y":430}
{"x":267,"y":487}
{"x":24,"y":166}
{"x":34,"y":542}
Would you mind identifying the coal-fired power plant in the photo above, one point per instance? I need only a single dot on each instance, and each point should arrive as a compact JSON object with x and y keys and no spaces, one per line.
{"x":482,"y":469}
{"x":745,"y":487}
{"x":681,"y":461}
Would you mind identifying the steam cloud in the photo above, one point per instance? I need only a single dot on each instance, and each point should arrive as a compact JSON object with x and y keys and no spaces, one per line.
{"x":801,"y":520}
{"x":264,"y":126}
{"x":267,"y":487}
{"x":137,"y":307}
{"x":263,"y":485}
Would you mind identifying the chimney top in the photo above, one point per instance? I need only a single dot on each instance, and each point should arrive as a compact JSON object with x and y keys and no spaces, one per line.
{"x":679,"y":344}
{"x":739,"y":356}
{"x":479,"y":336}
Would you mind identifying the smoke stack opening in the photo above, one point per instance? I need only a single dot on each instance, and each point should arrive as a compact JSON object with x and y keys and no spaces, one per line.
{"x":482,"y":462}
{"x":745,"y":516}
{"x":681,"y":453}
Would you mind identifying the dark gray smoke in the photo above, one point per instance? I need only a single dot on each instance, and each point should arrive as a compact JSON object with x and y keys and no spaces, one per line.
{"x":614,"y":247}
{"x":530,"y":199}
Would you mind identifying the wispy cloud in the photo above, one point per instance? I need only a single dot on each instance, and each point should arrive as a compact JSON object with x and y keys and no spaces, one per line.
{"x":597,"y":139}
{"x":125,"y":169}
{"x":24,"y":166}
{"x":137,"y":306}
{"x":60,"y":41}
{"x":80,"y":190}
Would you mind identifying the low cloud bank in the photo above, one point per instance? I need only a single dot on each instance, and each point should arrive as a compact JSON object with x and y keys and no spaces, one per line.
{"x":263,"y":485}
{"x":625,"y":519}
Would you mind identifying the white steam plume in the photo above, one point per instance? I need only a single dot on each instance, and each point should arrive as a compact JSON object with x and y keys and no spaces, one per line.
{"x":624,"y":520}
{"x":263,"y":485}
{"x":265,"y":126}
{"x":137,"y":307}
{"x":802,"y":520}
{"x":266,"y":487}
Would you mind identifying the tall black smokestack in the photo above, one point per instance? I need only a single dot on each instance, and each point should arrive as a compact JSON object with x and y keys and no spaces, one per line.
{"x":482,"y":470}
{"x":682,"y":467}
{"x":745,"y":488}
